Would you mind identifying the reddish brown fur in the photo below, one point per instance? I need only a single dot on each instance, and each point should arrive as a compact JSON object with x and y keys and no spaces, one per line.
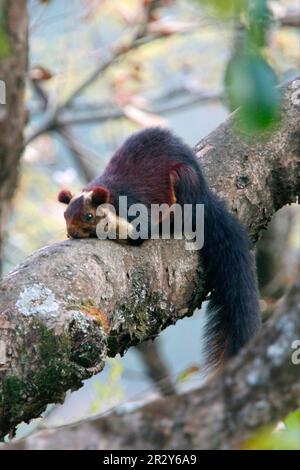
{"x":78,"y":208}
{"x":64,"y":196}
{"x":137,"y":170}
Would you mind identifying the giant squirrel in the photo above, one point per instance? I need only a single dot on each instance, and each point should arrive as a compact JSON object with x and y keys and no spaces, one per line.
{"x":155,"y":167}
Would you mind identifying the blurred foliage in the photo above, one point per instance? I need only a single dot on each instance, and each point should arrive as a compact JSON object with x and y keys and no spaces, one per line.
{"x":257,"y":19}
{"x":285,"y":437}
{"x":187,"y":373}
{"x":252,"y":84}
{"x":250,"y":81}
{"x":225,"y":7}
{"x":5,"y":47}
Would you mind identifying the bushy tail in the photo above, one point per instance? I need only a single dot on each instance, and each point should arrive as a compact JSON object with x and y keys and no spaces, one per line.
{"x":233,"y":311}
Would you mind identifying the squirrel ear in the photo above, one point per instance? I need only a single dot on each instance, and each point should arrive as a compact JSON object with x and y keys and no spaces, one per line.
{"x":100,"y":195}
{"x":64,"y":196}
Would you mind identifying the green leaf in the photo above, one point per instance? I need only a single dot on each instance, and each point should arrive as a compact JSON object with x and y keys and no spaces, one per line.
{"x":5,"y":47}
{"x":292,"y":422}
{"x":225,"y":7}
{"x":258,"y":19}
{"x":286,"y":439}
{"x":252,"y":85}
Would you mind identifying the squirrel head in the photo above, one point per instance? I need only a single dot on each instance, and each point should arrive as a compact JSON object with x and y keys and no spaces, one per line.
{"x":80,"y":215}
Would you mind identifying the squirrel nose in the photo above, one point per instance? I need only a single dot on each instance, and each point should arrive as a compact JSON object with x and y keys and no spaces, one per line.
{"x":72,"y":235}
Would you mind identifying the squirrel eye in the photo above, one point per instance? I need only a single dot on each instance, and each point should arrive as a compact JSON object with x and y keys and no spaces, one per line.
{"x":88,"y":217}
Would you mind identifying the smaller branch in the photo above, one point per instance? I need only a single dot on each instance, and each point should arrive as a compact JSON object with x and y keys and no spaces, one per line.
{"x":94,"y":116}
{"x":82,"y":156}
{"x":120,"y":50}
{"x":115,"y":53}
{"x":292,"y":20}
{"x":41,"y":94}
{"x":118,"y":113}
{"x":90,"y":118}
{"x":286,"y":16}
{"x":94,"y":111}
{"x":48,"y":125}
{"x":157,"y":370}
{"x":192,"y":101}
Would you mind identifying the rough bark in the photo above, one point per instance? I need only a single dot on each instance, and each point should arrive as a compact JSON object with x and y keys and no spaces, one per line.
{"x":58,"y":324}
{"x":256,"y":175}
{"x":13,"y":65}
{"x":275,"y":258}
{"x":258,"y":388}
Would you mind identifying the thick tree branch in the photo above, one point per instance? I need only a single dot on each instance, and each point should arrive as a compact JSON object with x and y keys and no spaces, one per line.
{"x":258,"y":388}
{"x":72,"y":304}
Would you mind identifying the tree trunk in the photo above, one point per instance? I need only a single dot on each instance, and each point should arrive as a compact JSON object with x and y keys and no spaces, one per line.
{"x":13,"y":65}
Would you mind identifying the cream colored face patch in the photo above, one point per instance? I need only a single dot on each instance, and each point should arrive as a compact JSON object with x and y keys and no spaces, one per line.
{"x":87,"y":195}
{"x":111,"y":226}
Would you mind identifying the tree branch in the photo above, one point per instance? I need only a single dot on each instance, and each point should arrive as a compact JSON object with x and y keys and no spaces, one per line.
{"x":120,"y":50}
{"x":72,"y":304}
{"x":94,"y":116}
{"x":291,"y":18}
{"x":258,"y":388}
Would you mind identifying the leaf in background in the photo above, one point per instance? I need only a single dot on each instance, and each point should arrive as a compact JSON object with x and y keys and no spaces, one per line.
{"x":225,"y":7}
{"x":280,"y":438}
{"x":258,"y":18}
{"x":252,"y":85}
{"x":4,"y":45}
{"x":292,"y":422}
{"x":40,"y":73}
{"x":184,"y":375}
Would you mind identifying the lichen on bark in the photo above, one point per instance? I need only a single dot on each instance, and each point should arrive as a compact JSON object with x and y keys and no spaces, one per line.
{"x":52,"y":364}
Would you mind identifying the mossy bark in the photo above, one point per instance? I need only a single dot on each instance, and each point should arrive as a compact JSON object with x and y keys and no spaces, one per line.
{"x":257,"y":389}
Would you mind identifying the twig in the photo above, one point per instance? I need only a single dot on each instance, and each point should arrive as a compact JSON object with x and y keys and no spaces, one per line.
{"x":53,"y":120}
